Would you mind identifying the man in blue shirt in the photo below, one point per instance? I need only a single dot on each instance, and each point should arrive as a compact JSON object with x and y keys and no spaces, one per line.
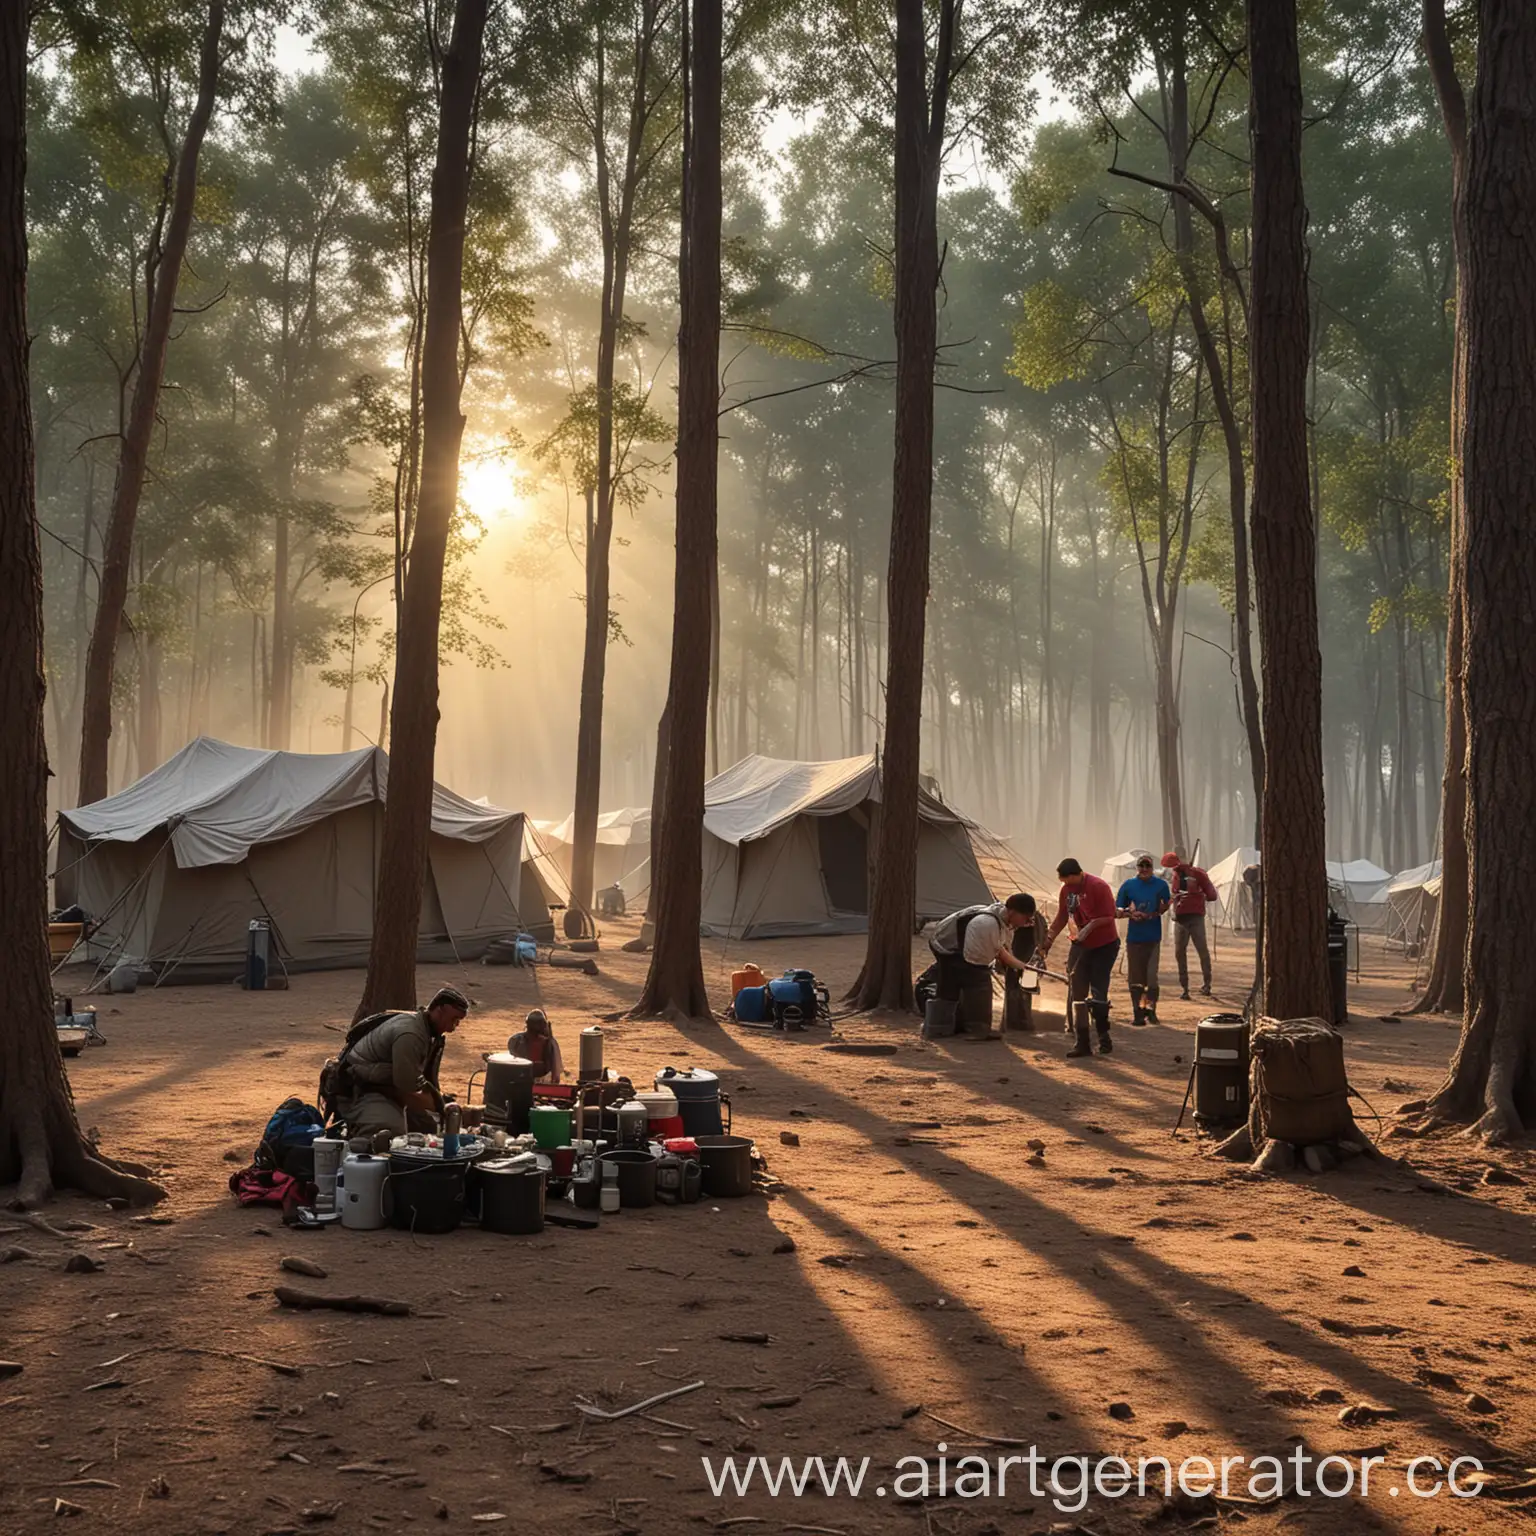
{"x":1143,"y":900}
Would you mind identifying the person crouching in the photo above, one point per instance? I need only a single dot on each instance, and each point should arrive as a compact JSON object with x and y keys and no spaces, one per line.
{"x":388,"y":1074}
{"x":967,"y":943}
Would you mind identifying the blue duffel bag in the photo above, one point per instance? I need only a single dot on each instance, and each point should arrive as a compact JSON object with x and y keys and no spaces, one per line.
{"x":752,"y":1005}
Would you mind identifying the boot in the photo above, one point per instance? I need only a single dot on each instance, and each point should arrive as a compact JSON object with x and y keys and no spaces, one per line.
{"x":1149,"y":1010}
{"x":1101,"y":1019}
{"x":1080,"y":1025}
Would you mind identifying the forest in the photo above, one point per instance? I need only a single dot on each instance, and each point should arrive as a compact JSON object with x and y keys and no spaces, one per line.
{"x":1082,"y":681}
{"x":663,"y":525}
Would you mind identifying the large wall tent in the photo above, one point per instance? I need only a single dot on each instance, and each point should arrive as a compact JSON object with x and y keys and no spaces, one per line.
{"x":1358,"y":889}
{"x":623,"y":848}
{"x":175,"y":866}
{"x":1413,"y":904}
{"x":1236,"y":909}
{"x":787,"y":850}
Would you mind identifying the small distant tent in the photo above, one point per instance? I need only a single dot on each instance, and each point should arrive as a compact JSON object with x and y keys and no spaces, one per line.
{"x":1413,"y":904}
{"x":1236,"y":910}
{"x":1122,"y":866}
{"x":787,"y":848}
{"x":1363,"y":886}
{"x":623,"y":848}
{"x":175,"y":866}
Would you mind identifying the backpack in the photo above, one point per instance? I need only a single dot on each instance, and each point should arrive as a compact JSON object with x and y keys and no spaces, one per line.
{"x":286,"y":1144}
{"x":797,"y":999}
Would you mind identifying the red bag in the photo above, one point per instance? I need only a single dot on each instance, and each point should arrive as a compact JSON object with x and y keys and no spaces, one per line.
{"x":263,"y":1186}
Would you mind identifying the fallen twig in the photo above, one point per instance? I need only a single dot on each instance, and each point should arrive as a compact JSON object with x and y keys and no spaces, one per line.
{"x":280,"y":1366}
{"x":973,"y":1434}
{"x":290,"y":1296}
{"x":623,"y":1413}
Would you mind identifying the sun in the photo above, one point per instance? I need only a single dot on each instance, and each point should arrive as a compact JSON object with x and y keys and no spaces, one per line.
{"x":488,"y":488}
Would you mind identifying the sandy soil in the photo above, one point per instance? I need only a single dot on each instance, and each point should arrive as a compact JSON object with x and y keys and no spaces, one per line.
{"x":933,"y":1272}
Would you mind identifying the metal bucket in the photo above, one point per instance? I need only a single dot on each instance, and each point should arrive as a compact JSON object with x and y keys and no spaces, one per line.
{"x":637,"y":1177}
{"x":939,"y":1018}
{"x":727,"y":1165}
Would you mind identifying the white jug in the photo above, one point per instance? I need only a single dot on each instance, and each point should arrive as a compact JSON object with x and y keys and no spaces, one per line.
{"x":361,"y":1192}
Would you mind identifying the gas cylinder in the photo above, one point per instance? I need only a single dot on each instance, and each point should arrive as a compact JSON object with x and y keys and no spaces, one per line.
{"x":590,"y":1067}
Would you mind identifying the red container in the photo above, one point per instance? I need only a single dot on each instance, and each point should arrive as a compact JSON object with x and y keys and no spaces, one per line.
{"x":682,"y":1146}
{"x":661,"y":1129}
{"x":563,"y":1160}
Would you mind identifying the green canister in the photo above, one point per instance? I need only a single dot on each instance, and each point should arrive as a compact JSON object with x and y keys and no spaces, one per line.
{"x":551,"y":1125}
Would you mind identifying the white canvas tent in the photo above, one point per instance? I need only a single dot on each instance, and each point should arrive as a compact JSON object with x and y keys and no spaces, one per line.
{"x":175,"y":866}
{"x":1236,"y":909}
{"x":1413,"y":904}
{"x":1364,"y":888}
{"x":1122,"y":866}
{"x":623,"y":848}
{"x":787,"y":848}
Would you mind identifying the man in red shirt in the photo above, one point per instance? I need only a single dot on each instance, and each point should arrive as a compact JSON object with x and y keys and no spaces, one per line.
{"x":1191,"y":889}
{"x":1089,"y":904}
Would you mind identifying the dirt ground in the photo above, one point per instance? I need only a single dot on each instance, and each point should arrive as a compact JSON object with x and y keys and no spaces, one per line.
{"x":934,"y":1275}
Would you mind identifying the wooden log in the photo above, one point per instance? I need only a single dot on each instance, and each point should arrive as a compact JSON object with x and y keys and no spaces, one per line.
{"x":1275,"y":1157}
{"x":291,"y":1296}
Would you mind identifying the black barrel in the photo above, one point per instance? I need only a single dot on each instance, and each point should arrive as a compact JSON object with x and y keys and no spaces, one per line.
{"x":511,"y":1199}
{"x":427,"y":1193}
{"x":1221,"y":1069}
{"x":508,"y":1091}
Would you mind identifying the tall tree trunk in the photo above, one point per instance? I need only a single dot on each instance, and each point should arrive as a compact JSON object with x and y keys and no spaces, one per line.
{"x":1444,"y":991}
{"x":40,"y":1141}
{"x":1284,"y":534}
{"x":149,"y":702}
{"x":885,"y":981}
{"x":675,"y":982}
{"x":658,"y":800}
{"x":391,"y":981}
{"x":617,"y":225}
{"x":280,"y":689}
{"x":117,"y":546}
{"x":1493,"y":1074}
{"x":1226,"y":414}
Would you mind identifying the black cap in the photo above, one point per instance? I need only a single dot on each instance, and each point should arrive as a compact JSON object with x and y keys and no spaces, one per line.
{"x":1068,"y":867}
{"x":452,"y":996}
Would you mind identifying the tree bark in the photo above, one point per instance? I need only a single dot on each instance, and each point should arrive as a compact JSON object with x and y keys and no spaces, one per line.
{"x":1444,"y":991}
{"x":391,"y":980}
{"x":675,"y":982}
{"x":1284,"y":533}
{"x":40,"y":1141}
{"x":1492,"y":1078}
{"x":616,"y":231}
{"x":885,"y":981}
{"x":117,"y":545}
{"x":1231,"y":432}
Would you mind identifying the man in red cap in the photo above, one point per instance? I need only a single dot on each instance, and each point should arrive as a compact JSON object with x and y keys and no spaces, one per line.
{"x":1089,"y":904}
{"x":1191,"y":889}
